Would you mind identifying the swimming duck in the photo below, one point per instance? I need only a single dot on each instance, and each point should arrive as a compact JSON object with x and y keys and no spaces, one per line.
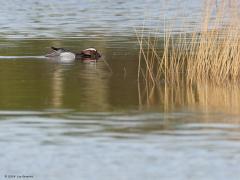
{"x":63,"y":54}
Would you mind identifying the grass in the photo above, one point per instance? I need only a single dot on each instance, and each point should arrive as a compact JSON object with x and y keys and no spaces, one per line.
{"x":200,"y":68}
{"x":211,"y":54}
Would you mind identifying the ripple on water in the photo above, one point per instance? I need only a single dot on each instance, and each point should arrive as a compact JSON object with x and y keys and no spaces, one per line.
{"x":140,"y":146}
{"x":88,"y":18}
{"x":22,"y":57}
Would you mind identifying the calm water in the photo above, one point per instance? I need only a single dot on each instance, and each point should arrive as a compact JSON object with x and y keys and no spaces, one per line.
{"x":90,"y":120}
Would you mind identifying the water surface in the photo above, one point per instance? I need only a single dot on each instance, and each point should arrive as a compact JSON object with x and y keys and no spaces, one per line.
{"x":89,"y":120}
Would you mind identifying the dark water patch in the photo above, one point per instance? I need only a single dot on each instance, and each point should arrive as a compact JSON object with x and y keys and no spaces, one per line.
{"x":29,"y":81}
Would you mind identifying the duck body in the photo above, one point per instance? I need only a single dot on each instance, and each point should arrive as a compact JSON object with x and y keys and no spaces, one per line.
{"x":61,"y":54}
{"x":65,"y":55}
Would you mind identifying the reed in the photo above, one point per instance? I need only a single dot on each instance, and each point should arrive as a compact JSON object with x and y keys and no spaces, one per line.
{"x":211,"y":54}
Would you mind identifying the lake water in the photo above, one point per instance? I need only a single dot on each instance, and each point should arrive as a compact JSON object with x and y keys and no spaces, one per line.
{"x":90,"y":121}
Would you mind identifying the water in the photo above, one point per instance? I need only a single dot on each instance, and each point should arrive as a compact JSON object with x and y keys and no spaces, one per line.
{"x":89,"y":120}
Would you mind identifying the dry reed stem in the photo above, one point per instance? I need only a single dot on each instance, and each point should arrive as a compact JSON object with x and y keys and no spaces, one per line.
{"x":210,"y":56}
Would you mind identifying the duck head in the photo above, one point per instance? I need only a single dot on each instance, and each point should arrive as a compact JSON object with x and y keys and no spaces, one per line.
{"x":89,"y":53}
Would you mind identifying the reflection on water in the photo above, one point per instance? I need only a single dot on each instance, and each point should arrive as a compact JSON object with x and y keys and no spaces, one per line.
{"x":219,"y":98}
{"x":200,"y":97}
{"x":57,"y":85}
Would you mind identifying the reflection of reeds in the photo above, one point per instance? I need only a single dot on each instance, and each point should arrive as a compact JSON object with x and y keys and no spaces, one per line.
{"x":194,"y":68}
{"x":203,"y":96}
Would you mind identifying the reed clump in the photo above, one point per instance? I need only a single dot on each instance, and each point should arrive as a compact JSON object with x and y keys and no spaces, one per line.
{"x":210,"y":54}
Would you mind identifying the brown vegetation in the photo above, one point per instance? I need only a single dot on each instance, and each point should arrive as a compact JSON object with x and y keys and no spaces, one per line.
{"x":193,"y":66}
{"x":213,"y":53}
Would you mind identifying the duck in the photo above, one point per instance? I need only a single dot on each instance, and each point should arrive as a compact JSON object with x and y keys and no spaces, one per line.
{"x":64,"y":54}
